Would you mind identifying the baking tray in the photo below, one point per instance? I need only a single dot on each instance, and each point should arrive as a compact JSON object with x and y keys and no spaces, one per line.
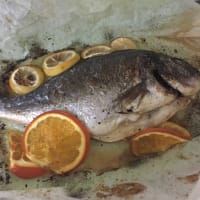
{"x":110,"y":171}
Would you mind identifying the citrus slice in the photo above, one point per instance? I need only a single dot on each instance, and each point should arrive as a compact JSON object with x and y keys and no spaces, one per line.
{"x":20,"y":165}
{"x":95,"y":51}
{"x":25,"y":79}
{"x":123,"y":43}
{"x":57,"y":63}
{"x":155,"y":140}
{"x":56,"y":140}
{"x":175,"y":127}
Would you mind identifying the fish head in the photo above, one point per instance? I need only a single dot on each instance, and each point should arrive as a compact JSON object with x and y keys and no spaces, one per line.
{"x":179,"y":75}
{"x":167,"y":87}
{"x":162,"y":80}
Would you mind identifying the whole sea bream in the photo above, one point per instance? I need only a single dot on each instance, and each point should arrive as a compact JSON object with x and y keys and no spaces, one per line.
{"x":114,"y":95}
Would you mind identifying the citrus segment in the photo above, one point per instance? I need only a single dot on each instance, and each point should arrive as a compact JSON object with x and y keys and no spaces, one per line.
{"x":175,"y":127}
{"x":95,"y":51}
{"x":56,"y":140}
{"x":20,"y":165}
{"x":25,"y":79}
{"x":123,"y":43}
{"x":155,"y":140}
{"x":56,"y":63}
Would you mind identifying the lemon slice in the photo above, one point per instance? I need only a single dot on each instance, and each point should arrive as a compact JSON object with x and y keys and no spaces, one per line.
{"x":56,"y":63}
{"x":95,"y":51}
{"x":25,"y":79}
{"x":123,"y":43}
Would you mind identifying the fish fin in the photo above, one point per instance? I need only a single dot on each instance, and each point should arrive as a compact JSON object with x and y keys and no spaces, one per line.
{"x":130,"y":100}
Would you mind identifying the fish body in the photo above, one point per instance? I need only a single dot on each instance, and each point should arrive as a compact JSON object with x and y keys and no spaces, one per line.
{"x":114,"y":95}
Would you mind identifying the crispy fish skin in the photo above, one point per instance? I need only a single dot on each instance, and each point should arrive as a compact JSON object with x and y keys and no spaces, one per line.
{"x":112,"y":92}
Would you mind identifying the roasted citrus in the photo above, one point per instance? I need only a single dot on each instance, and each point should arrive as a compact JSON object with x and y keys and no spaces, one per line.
{"x":20,"y":165}
{"x":155,"y":140}
{"x":25,"y":79}
{"x":95,"y":51}
{"x":56,"y":140}
{"x":175,"y":127}
{"x":56,"y":63}
{"x":123,"y":43}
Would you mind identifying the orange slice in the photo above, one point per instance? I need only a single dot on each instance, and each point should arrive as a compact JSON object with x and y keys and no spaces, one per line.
{"x":25,"y":79}
{"x":95,"y":51}
{"x":56,"y":140}
{"x":20,"y":165}
{"x":57,"y":63}
{"x":175,"y":127}
{"x":155,"y":140}
{"x":123,"y":43}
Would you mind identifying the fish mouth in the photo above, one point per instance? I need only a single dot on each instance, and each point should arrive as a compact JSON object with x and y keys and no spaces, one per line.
{"x":187,"y":86}
{"x":177,"y":76}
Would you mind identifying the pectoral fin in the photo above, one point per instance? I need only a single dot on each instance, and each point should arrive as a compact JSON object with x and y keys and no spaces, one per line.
{"x":145,"y":97}
{"x":131,"y":99}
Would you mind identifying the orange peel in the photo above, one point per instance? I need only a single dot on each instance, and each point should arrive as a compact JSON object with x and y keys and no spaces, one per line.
{"x":56,"y":140}
{"x":155,"y":140}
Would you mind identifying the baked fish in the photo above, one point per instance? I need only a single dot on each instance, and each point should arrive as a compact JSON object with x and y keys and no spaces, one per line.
{"x":114,"y":95}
